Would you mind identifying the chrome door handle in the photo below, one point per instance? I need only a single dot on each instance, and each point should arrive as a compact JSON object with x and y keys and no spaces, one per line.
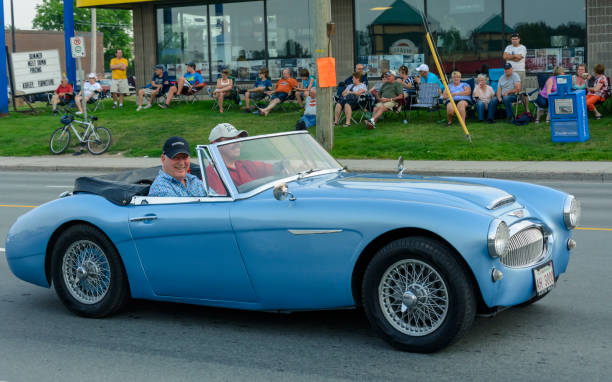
{"x":143,"y":218}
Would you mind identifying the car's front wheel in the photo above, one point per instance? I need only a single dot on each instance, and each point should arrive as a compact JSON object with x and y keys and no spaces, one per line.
{"x":417,"y":295}
{"x":87,"y":272}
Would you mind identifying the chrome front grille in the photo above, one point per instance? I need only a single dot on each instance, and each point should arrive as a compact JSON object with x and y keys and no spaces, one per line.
{"x":525,"y":248}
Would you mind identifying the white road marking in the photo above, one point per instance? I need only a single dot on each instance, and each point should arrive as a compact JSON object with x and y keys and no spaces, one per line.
{"x":59,"y":186}
{"x":2,"y":250}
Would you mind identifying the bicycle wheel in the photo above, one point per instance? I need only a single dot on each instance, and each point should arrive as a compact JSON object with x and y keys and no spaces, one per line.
{"x":60,"y":140}
{"x":99,"y":140}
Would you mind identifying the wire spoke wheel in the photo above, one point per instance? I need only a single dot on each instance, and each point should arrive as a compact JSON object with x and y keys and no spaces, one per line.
{"x":86,"y":272}
{"x":99,"y":140}
{"x":60,"y":140}
{"x":413,"y":297}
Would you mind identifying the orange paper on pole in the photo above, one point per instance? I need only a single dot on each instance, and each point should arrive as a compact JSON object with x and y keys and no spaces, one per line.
{"x":326,"y":66}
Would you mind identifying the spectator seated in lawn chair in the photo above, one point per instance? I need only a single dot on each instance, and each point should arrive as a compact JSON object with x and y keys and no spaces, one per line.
{"x":190,"y":84}
{"x":599,"y":91}
{"x":425,"y":77}
{"x":158,"y":87}
{"x":307,"y":82}
{"x":63,"y":95}
{"x":462,"y":95}
{"x":89,"y":93}
{"x":223,"y":89}
{"x":482,"y":95}
{"x":550,"y":86}
{"x":508,"y":86}
{"x":342,"y":85}
{"x":349,"y":99}
{"x":309,"y":118}
{"x":387,"y":98}
{"x":407,"y":85}
{"x":284,"y":87}
{"x":258,"y":92}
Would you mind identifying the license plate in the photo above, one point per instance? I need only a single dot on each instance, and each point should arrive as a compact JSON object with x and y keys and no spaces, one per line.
{"x":544,"y":277}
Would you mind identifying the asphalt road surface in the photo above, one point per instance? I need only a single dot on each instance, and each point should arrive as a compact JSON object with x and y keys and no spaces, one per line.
{"x":567,"y":336}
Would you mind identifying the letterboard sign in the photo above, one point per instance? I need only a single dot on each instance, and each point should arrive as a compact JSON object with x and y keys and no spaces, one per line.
{"x":36,"y":72}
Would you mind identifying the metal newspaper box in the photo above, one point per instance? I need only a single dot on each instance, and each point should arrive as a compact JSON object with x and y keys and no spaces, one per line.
{"x":568,"y":113}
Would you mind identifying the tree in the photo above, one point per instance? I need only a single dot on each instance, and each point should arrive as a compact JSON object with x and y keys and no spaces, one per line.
{"x":116,"y":24}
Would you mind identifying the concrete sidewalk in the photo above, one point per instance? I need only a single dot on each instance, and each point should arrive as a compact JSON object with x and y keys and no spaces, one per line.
{"x":595,"y":171}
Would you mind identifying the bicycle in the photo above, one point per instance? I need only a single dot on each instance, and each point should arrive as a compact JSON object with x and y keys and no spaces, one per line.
{"x":96,"y":138}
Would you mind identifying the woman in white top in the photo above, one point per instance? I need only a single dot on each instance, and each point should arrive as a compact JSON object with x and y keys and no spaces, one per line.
{"x":224,"y":87}
{"x":483,"y":94}
{"x":350,"y":99}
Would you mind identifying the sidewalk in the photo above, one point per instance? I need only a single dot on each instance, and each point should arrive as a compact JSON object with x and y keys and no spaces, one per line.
{"x":594,"y":171}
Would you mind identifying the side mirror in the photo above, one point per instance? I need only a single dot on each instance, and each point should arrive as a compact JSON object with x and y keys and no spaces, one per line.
{"x":281,"y":192}
{"x":400,"y":166}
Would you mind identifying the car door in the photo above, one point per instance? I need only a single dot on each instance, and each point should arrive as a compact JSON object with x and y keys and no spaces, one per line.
{"x":188,"y":250}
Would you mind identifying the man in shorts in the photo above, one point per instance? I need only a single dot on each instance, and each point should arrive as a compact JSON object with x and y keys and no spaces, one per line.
{"x":391,"y":92}
{"x":190,"y":83}
{"x":284,"y":87}
{"x":90,"y":91}
{"x":159,"y":86}
{"x":119,"y":84}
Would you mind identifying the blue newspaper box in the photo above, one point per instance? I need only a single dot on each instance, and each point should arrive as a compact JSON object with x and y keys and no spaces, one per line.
{"x":568,"y":113}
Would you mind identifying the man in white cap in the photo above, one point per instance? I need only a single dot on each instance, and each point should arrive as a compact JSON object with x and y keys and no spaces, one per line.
{"x":90,"y":90}
{"x":241,"y":171}
{"x":425,"y":77}
{"x":174,"y":178}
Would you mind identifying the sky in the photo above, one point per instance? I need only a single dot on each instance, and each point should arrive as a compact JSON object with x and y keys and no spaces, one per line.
{"x":24,"y":11}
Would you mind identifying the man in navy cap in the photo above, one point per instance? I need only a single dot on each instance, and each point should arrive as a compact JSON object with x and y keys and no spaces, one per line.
{"x":159,"y":86}
{"x":190,"y":83}
{"x":508,"y":88}
{"x":174,"y":178}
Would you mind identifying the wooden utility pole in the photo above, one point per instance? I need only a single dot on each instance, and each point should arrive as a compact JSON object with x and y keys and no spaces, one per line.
{"x":94,"y":41}
{"x":325,"y":129}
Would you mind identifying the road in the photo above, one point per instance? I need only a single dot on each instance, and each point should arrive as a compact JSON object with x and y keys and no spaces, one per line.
{"x":564,"y":337}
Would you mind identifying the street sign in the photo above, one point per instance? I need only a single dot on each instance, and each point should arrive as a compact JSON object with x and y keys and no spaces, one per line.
{"x":36,"y":72}
{"x":77,"y":46}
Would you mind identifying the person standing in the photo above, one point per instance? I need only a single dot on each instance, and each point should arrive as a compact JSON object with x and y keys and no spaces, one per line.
{"x":515,"y":54}
{"x":119,"y":85}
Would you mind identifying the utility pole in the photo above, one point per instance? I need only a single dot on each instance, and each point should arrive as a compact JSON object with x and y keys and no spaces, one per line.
{"x":325,"y":129}
{"x":12,"y":26}
{"x":94,"y":42}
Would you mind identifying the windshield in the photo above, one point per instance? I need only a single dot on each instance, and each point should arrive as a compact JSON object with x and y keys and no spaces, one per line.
{"x":253,"y":162}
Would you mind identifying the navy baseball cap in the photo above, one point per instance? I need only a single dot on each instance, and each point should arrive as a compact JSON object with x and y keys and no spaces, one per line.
{"x":507,"y":65}
{"x":159,"y":66}
{"x":174,"y":146}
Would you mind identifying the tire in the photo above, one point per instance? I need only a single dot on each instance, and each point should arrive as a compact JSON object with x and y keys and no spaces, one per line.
{"x":430,"y":312}
{"x":60,"y":140}
{"x":99,"y":140}
{"x":83,"y":258}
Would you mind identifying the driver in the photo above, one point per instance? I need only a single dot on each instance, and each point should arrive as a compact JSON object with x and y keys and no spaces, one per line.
{"x":174,"y":178}
{"x":241,"y":171}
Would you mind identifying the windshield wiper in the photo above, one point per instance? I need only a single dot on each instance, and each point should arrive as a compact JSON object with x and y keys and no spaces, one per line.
{"x":306,"y":172}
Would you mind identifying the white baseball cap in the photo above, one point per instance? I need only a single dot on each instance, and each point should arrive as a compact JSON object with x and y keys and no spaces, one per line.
{"x":91,"y":75}
{"x":422,"y":68}
{"x":225,"y":130}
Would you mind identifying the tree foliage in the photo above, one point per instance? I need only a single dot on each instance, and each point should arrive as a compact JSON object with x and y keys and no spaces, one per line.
{"x":116,"y":24}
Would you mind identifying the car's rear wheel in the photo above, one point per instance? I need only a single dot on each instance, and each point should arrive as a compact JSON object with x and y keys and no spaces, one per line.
{"x":87,"y":272}
{"x":417,"y":295}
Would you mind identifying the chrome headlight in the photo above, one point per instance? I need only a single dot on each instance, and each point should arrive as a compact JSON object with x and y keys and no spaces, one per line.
{"x":497,"y":239}
{"x":571,"y":212}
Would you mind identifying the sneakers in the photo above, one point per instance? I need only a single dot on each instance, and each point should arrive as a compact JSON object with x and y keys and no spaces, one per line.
{"x":78,"y":113}
{"x":163,"y":105}
{"x":139,"y":108}
{"x":115,"y":105}
{"x":146,"y":106}
{"x":370,"y":124}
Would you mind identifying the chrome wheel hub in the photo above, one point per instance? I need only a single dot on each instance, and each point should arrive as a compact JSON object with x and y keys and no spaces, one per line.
{"x":413,"y":297}
{"x":86,"y":272}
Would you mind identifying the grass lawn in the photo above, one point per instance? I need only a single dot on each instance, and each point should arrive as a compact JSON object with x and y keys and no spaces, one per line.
{"x":143,"y":133}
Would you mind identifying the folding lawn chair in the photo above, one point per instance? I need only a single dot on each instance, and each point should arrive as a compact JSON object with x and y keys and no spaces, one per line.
{"x":428,"y":96}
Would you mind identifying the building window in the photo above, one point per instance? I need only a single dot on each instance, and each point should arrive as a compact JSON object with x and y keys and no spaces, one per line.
{"x":237,"y":39}
{"x":468,"y":33}
{"x":290,"y":36}
{"x":553,"y":31}
{"x":182,"y":37}
{"x":389,"y":34}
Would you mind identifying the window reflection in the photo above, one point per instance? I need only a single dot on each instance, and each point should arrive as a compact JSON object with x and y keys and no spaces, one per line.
{"x":554,"y":32}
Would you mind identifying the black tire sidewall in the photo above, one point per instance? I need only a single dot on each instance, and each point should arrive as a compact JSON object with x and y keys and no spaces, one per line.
{"x":53,"y":136}
{"x":110,"y":141}
{"x":462,"y":302}
{"x":118,"y":291}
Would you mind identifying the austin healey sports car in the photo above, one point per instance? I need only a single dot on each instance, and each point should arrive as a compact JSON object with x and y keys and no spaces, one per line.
{"x":421,"y":255}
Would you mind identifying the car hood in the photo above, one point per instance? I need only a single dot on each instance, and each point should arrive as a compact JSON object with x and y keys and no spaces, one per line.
{"x":460,"y":194}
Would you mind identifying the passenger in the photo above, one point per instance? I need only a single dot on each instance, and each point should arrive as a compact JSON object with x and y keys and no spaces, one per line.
{"x":241,"y":171}
{"x":174,"y":178}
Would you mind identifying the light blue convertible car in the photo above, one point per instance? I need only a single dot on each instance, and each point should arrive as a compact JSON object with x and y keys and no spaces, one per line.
{"x":421,"y":255}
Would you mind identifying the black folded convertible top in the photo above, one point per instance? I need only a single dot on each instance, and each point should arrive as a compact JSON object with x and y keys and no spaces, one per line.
{"x":119,"y":188}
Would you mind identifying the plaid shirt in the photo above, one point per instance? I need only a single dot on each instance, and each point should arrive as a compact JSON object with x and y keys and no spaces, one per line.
{"x":165,"y":185}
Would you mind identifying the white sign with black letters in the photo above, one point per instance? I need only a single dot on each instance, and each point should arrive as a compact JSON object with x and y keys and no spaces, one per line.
{"x":36,"y":72}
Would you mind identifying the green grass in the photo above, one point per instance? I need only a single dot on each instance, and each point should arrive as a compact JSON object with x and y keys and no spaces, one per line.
{"x":143,"y":133}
